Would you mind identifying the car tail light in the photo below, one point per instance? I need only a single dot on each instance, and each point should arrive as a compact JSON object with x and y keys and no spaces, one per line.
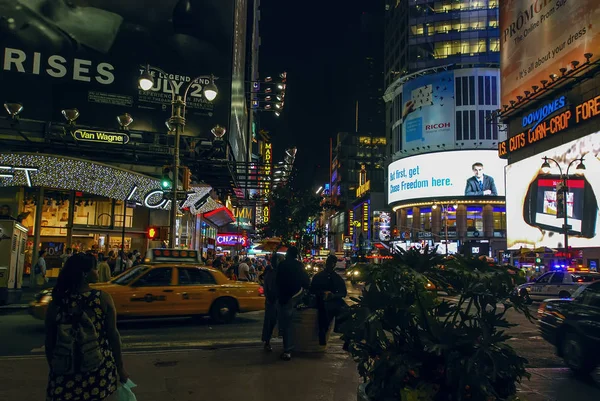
{"x":541,"y":310}
{"x":261,"y":291}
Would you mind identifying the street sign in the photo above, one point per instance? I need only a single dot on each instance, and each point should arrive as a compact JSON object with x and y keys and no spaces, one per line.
{"x":99,"y":136}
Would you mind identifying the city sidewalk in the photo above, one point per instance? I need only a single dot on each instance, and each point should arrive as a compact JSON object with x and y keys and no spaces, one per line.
{"x":249,"y":374}
{"x":245,"y":374}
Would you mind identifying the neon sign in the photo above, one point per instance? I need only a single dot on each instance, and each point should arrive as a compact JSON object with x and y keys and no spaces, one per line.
{"x":231,"y":240}
{"x":540,"y":114}
{"x":553,"y":125}
{"x":268,"y":158}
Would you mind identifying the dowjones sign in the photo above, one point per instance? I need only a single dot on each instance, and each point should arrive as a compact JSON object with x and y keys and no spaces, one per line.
{"x":430,"y":176}
{"x":552,"y":125}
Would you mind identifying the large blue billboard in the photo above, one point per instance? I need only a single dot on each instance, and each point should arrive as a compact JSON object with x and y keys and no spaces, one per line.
{"x":428,"y":116}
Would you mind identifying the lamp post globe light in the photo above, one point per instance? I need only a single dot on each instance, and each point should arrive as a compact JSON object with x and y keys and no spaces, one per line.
{"x":562,"y":191}
{"x":445,"y":206}
{"x":176,"y":124}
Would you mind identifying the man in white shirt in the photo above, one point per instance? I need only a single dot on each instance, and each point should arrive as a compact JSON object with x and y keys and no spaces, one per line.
{"x":244,"y":270}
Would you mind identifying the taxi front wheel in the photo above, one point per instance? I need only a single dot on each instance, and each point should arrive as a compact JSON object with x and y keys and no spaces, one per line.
{"x":223,"y":310}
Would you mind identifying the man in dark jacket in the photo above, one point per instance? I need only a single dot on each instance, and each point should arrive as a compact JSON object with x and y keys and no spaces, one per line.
{"x":330,"y":290}
{"x":269,"y":284}
{"x":291,"y":279}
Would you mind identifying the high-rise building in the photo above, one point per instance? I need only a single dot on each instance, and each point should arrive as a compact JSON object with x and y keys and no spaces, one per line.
{"x":442,"y":79}
{"x":370,"y":108}
{"x":421,"y":34}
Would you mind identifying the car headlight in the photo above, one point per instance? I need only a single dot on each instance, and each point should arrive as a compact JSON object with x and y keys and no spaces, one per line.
{"x":356,"y":273}
{"x":46,"y":299}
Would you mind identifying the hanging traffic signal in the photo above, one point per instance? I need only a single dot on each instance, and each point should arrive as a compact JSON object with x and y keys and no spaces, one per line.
{"x":166,"y":180}
{"x":186,"y":178}
{"x":153,"y":233}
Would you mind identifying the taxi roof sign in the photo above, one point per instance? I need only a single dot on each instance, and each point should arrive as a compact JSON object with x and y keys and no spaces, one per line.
{"x":164,"y":255}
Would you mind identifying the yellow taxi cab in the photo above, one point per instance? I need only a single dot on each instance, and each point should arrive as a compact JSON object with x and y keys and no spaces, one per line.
{"x":173,"y":282}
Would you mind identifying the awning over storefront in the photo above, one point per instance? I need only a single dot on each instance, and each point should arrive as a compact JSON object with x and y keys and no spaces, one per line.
{"x":59,"y":172}
{"x":219,"y":217}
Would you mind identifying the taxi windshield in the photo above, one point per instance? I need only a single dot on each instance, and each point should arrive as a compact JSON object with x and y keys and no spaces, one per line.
{"x":131,"y":275}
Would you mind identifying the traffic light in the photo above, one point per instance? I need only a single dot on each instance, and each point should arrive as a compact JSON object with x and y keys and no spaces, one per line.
{"x":153,"y":233}
{"x":166,"y":180}
{"x":186,"y":178}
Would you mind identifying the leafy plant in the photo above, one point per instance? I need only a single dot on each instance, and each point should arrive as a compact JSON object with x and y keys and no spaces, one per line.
{"x":290,"y":210}
{"x":410,"y":344}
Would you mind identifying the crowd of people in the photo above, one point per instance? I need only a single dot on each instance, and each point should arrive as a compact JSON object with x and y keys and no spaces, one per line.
{"x":286,"y":284}
{"x":109,"y":265}
{"x":241,"y":268}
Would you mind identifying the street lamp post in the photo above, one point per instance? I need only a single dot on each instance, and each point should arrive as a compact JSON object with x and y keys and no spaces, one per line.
{"x":177,"y":121}
{"x":445,"y":206}
{"x":564,"y":188}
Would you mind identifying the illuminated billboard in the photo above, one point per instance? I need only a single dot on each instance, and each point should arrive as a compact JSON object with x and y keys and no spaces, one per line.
{"x":428,"y":111}
{"x":538,"y":37}
{"x":533,"y":205}
{"x":446,"y":174}
{"x":448,"y":109}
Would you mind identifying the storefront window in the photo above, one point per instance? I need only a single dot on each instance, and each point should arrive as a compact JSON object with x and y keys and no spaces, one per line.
{"x":451,"y":220}
{"x":426,"y":219}
{"x":409,"y":220}
{"x":474,"y":218}
{"x":119,"y":215}
{"x":499,"y":215}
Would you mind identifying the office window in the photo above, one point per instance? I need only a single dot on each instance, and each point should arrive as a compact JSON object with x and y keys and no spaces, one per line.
{"x":482,"y":123}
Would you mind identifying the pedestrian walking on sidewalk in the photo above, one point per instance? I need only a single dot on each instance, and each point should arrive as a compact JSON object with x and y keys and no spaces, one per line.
{"x":39,"y":270}
{"x":83,"y":346}
{"x":330,"y":290}
{"x":291,"y":280}
{"x":270,"y":287}
{"x":103,"y":269}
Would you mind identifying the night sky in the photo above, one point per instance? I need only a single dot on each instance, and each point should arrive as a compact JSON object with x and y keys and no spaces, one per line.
{"x":313,"y":42}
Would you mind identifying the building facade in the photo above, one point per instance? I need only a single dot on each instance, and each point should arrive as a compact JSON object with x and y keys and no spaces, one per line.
{"x":551,"y":110}
{"x":442,"y":91}
{"x":84,"y":147}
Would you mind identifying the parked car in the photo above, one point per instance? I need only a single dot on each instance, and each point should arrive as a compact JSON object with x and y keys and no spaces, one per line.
{"x":555,"y":284}
{"x":573,"y":326}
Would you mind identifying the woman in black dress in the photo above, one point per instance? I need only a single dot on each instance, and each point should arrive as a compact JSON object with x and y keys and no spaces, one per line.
{"x":73,"y":298}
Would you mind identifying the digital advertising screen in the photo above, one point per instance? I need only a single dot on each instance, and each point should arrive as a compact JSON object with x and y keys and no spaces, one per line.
{"x":428,"y":110}
{"x":538,"y":38}
{"x":534,"y":201}
{"x":461,"y":173}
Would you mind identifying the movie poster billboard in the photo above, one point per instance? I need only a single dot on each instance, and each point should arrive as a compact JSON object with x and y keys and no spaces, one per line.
{"x":539,"y":37}
{"x":88,"y":55}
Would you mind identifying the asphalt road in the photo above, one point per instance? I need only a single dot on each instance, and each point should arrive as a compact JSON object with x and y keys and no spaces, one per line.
{"x":23,"y":335}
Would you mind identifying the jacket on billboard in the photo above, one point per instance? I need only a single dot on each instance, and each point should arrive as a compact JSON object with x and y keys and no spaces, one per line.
{"x":477,"y":188}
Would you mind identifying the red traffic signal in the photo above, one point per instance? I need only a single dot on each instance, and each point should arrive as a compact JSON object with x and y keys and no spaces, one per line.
{"x":153,"y":233}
